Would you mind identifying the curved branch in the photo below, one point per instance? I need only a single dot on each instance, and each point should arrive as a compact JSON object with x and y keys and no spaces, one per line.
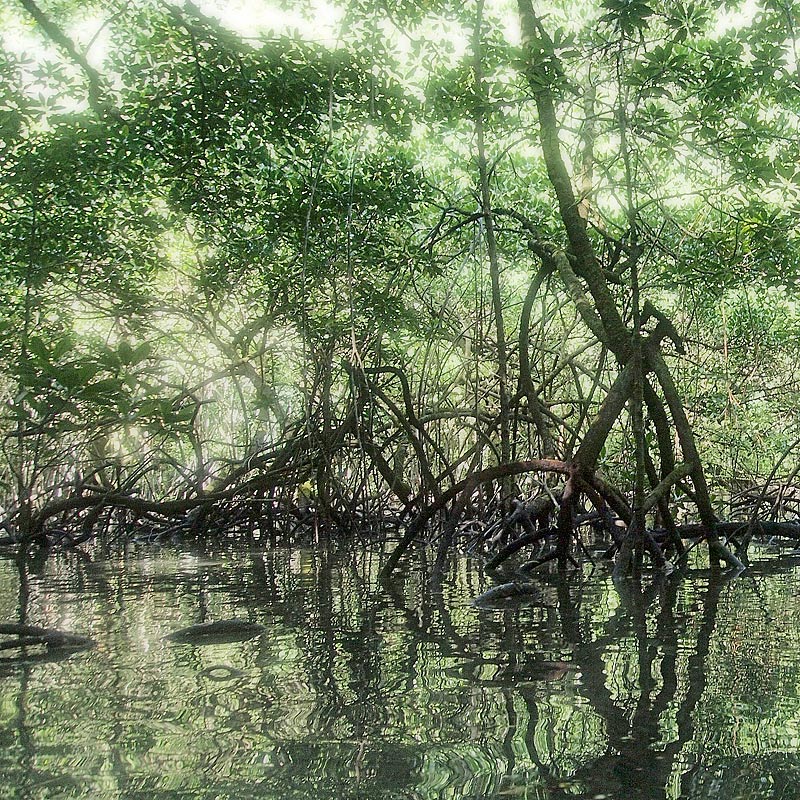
{"x":471,"y":483}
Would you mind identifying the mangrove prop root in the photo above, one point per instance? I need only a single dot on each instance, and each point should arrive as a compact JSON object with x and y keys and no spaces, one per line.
{"x":467,"y":486}
{"x":516,"y":546}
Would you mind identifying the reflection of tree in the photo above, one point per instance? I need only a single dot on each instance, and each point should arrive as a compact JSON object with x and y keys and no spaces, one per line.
{"x":637,"y":762}
{"x":335,"y":623}
{"x":410,"y":693}
{"x":22,"y":733}
{"x":18,"y":738}
{"x":644,"y":736}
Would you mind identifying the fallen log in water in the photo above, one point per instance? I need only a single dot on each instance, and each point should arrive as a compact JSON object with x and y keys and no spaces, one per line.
{"x":31,"y":636}
{"x":513,"y":590}
{"x":730,"y":531}
{"x":485,"y":673}
{"x":222,"y":631}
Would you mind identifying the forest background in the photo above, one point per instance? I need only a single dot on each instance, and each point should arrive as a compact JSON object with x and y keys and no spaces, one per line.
{"x":336,"y":266}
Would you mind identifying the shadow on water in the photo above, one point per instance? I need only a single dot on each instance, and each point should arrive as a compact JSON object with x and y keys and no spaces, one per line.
{"x":683,"y":687}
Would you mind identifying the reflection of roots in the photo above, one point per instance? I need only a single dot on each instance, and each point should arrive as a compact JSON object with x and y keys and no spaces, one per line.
{"x":221,"y":672}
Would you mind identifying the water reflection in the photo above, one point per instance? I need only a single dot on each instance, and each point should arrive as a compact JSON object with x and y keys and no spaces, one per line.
{"x":685,"y":687}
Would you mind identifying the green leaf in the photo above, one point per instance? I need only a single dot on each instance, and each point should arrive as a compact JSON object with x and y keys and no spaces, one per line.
{"x":39,"y":350}
{"x":142,"y":352}
{"x":125,"y":352}
{"x":62,"y":347}
{"x":629,"y":16}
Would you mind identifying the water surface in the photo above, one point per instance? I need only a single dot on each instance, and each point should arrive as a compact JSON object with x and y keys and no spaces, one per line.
{"x":684,"y":688}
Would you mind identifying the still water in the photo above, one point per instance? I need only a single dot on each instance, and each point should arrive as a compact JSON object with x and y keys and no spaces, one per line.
{"x":688,"y":688}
